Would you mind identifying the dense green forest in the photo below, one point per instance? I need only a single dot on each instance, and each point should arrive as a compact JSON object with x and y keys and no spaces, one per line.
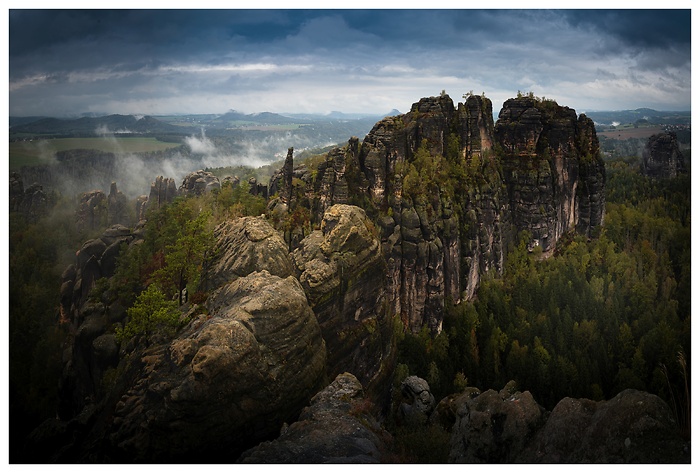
{"x":603,"y":315}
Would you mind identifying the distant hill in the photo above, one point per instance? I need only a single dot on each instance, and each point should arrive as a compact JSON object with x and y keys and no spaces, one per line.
{"x":92,"y":126}
{"x":652,"y":116}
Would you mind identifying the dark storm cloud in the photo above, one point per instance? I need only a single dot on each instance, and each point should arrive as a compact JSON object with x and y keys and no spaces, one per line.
{"x":164,"y":61}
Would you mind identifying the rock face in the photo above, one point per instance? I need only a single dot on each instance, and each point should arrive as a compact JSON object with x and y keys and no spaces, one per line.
{"x":662,"y":157}
{"x":335,"y":428}
{"x":93,"y":348}
{"x":552,"y":170}
{"x":163,"y":191}
{"x":228,"y":381}
{"x":633,"y":427}
{"x":510,"y":427}
{"x":342,"y":272}
{"x":537,"y":169}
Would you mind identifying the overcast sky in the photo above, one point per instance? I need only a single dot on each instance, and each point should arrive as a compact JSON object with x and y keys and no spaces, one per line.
{"x":67,"y":62}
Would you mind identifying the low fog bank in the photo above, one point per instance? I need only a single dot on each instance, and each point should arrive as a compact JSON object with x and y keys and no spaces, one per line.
{"x":73,"y":172}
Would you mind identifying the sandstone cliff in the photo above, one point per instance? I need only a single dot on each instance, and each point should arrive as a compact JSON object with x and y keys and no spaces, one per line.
{"x":450,"y":190}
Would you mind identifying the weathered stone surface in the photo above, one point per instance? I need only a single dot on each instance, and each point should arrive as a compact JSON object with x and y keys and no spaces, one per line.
{"x":494,"y":427}
{"x":336,"y":428}
{"x":552,"y":169}
{"x":92,"y":211}
{"x":117,"y":207}
{"x":662,"y":158}
{"x":342,"y":272}
{"x":246,"y":245}
{"x":227,"y":381}
{"x":633,"y":427}
{"x":418,"y":402}
{"x":510,"y":427}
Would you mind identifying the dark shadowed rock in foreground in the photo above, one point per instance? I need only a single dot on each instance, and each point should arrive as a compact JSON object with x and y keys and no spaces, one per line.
{"x":335,"y":428}
{"x":633,"y":427}
{"x":510,"y":427}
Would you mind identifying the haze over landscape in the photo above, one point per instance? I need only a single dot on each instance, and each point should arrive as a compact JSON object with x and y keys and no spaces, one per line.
{"x":155,"y":62}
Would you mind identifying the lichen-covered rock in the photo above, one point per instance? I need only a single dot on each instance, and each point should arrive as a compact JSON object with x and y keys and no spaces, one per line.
{"x":336,"y":428}
{"x":342,"y":272}
{"x":246,"y":245}
{"x":662,"y":158}
{"x":227,"y":381}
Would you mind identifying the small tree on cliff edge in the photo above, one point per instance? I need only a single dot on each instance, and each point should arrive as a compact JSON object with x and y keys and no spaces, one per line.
{"x":152,"y":310}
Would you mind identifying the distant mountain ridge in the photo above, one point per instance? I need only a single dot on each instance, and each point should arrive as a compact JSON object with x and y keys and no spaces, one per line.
{"x":648,"y":114}
{"x":98,"y":125}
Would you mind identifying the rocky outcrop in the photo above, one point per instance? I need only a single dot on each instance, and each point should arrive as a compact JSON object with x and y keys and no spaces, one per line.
{"x":510,"y":427}
{"x":633,"y":427}
{"x":93,"y":348}
{"x":229,"y":380}
{"x":117,"y":207}
{"x":92,"y":211}
{"x":336,"y":428}
{"x":418,"y":402}
{"x":662,"y":158}
{"x":198,"y":183}
{"x":163,"y":191}
{"x":537,"y":169}
{"x":246,"y":245}
{"x":342,"y":272}
{"x":494,"y":426}
{"x":552,"y":170}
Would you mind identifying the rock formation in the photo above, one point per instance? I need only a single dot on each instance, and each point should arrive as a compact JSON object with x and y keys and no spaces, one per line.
{"x":510,"y":427}
{"x":163,"y":191}
{"x":336,"y":428}
{"x":537,"y":169}
{"x":227,"y":381}
{"x":198,"y":183}
{"x":342,"y":272}
{"x":418,"y":402}
{"x":662,"y":158}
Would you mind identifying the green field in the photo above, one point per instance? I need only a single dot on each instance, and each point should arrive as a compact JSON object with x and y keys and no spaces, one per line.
{"x":29,"y":153}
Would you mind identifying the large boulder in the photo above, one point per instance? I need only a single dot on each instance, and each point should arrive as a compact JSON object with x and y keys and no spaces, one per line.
{"x":246,"y":245}
{"x":228,"y":381}
{"x":342,"y":272}
{"x":337,"y":427}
